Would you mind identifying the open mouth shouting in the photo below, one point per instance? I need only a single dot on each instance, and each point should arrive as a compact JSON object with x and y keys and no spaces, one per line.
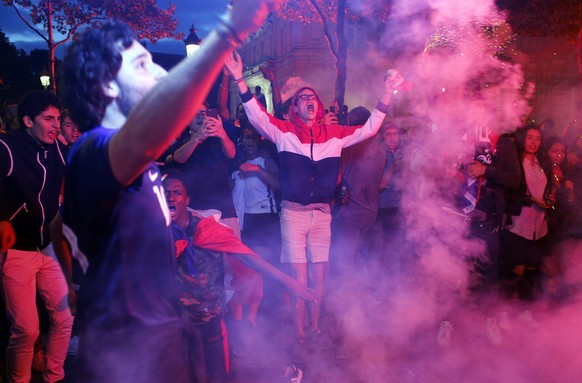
{"x":172,"y":208}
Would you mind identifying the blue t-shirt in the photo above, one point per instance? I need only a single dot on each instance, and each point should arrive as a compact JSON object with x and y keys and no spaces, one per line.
{"x":126,"y":235}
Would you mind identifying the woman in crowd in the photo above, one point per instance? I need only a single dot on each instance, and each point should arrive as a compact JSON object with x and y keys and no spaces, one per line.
{"x":523,"y":242}
{"x":561,"y":190}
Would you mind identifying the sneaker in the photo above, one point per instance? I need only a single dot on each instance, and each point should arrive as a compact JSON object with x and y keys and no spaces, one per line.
{"x":445,"y":335}
{"x":293,"y":374}
{"x":527,"y":318}
{"x":493,"y":332}
{"x":504,"y":323}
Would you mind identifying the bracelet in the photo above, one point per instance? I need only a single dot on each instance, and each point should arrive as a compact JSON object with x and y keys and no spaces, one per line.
{"x":226,"y":30}
{"x":237,"y":81}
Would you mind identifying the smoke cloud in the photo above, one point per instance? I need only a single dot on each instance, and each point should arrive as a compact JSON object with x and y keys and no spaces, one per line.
{"x":464,"y":82}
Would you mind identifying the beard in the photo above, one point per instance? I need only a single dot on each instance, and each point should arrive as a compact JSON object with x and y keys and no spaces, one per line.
{"x":128,"y":98}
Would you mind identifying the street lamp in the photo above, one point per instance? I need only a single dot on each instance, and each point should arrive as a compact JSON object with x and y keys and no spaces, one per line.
{"x":45,"y":78}
{"x":192,"y":42}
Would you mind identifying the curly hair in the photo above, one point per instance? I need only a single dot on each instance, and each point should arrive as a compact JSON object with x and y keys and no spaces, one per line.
{"x":34,"y":103}
{"x":92,"y":61}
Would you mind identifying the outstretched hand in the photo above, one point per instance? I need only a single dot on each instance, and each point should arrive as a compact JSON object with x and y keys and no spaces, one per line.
{"x":393,"y":80}
{"x":303,"y":292}
{"x":234,"y":65}
{"x":248,"y":16}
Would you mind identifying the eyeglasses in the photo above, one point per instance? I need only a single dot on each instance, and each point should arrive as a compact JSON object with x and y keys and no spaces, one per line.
{"x":307,"y":97}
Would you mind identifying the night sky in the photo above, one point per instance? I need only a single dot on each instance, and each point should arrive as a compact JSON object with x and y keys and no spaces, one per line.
{"x":201,"y":13}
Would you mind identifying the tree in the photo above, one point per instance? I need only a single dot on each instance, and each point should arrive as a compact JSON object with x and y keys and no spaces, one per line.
{"x":16,"y":74}
{"x":547,"y":18}
{"x":329,"y":12}
{"x":65,"y":17}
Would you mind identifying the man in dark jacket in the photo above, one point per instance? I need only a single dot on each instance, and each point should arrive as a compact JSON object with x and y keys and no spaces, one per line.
{"x":32,"y":168}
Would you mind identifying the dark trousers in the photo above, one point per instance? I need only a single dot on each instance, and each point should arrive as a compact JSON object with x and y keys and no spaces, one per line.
{"x":206,"y":352}
{"x":514,"y":251}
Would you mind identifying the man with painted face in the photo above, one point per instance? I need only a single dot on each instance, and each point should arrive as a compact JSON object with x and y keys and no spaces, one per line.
{"x":309,"y":156}
{"x":32,"y":167}
{"x":131,"y":111}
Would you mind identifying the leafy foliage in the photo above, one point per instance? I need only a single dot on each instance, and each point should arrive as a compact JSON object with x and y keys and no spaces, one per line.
{"x":67,"y":16}
{"x":305,"y":11}
{"x":18,"y":71}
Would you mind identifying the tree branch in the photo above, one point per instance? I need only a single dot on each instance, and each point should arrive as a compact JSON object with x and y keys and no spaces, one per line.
{"x":74,"y":29}
{"x":28,"y":24}
{"x":326,"y":32}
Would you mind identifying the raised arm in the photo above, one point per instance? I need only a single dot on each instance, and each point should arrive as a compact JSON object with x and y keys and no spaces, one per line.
{"x":392,"y":82}
{"x":223,"y":95}
{"x":258,"y":264}
{"x":269,"y":74}
{"x":262,"y":121}
{"x":216,"y":129}
{"x":157,"y":120}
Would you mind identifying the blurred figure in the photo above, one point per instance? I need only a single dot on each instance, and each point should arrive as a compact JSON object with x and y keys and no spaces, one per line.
{"x":387,"y":231}
{"x":255,"y":192}
{"x":260,"y":96}
{"x":356,"y":204}
{"x":560,"y":215}
{"x":128,"y":306}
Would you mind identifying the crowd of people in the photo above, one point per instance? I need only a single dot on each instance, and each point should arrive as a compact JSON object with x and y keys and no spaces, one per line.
{"x":153,"y":237}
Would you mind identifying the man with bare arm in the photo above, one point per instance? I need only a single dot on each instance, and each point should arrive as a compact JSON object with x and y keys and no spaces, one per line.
{"x":130,"y":111}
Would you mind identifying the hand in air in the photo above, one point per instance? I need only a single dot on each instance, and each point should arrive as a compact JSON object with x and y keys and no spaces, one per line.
{"x":248,"y":16}
{"x":393,"y":80}
{"x":213,"y":127}
{"x":234,"y":65}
